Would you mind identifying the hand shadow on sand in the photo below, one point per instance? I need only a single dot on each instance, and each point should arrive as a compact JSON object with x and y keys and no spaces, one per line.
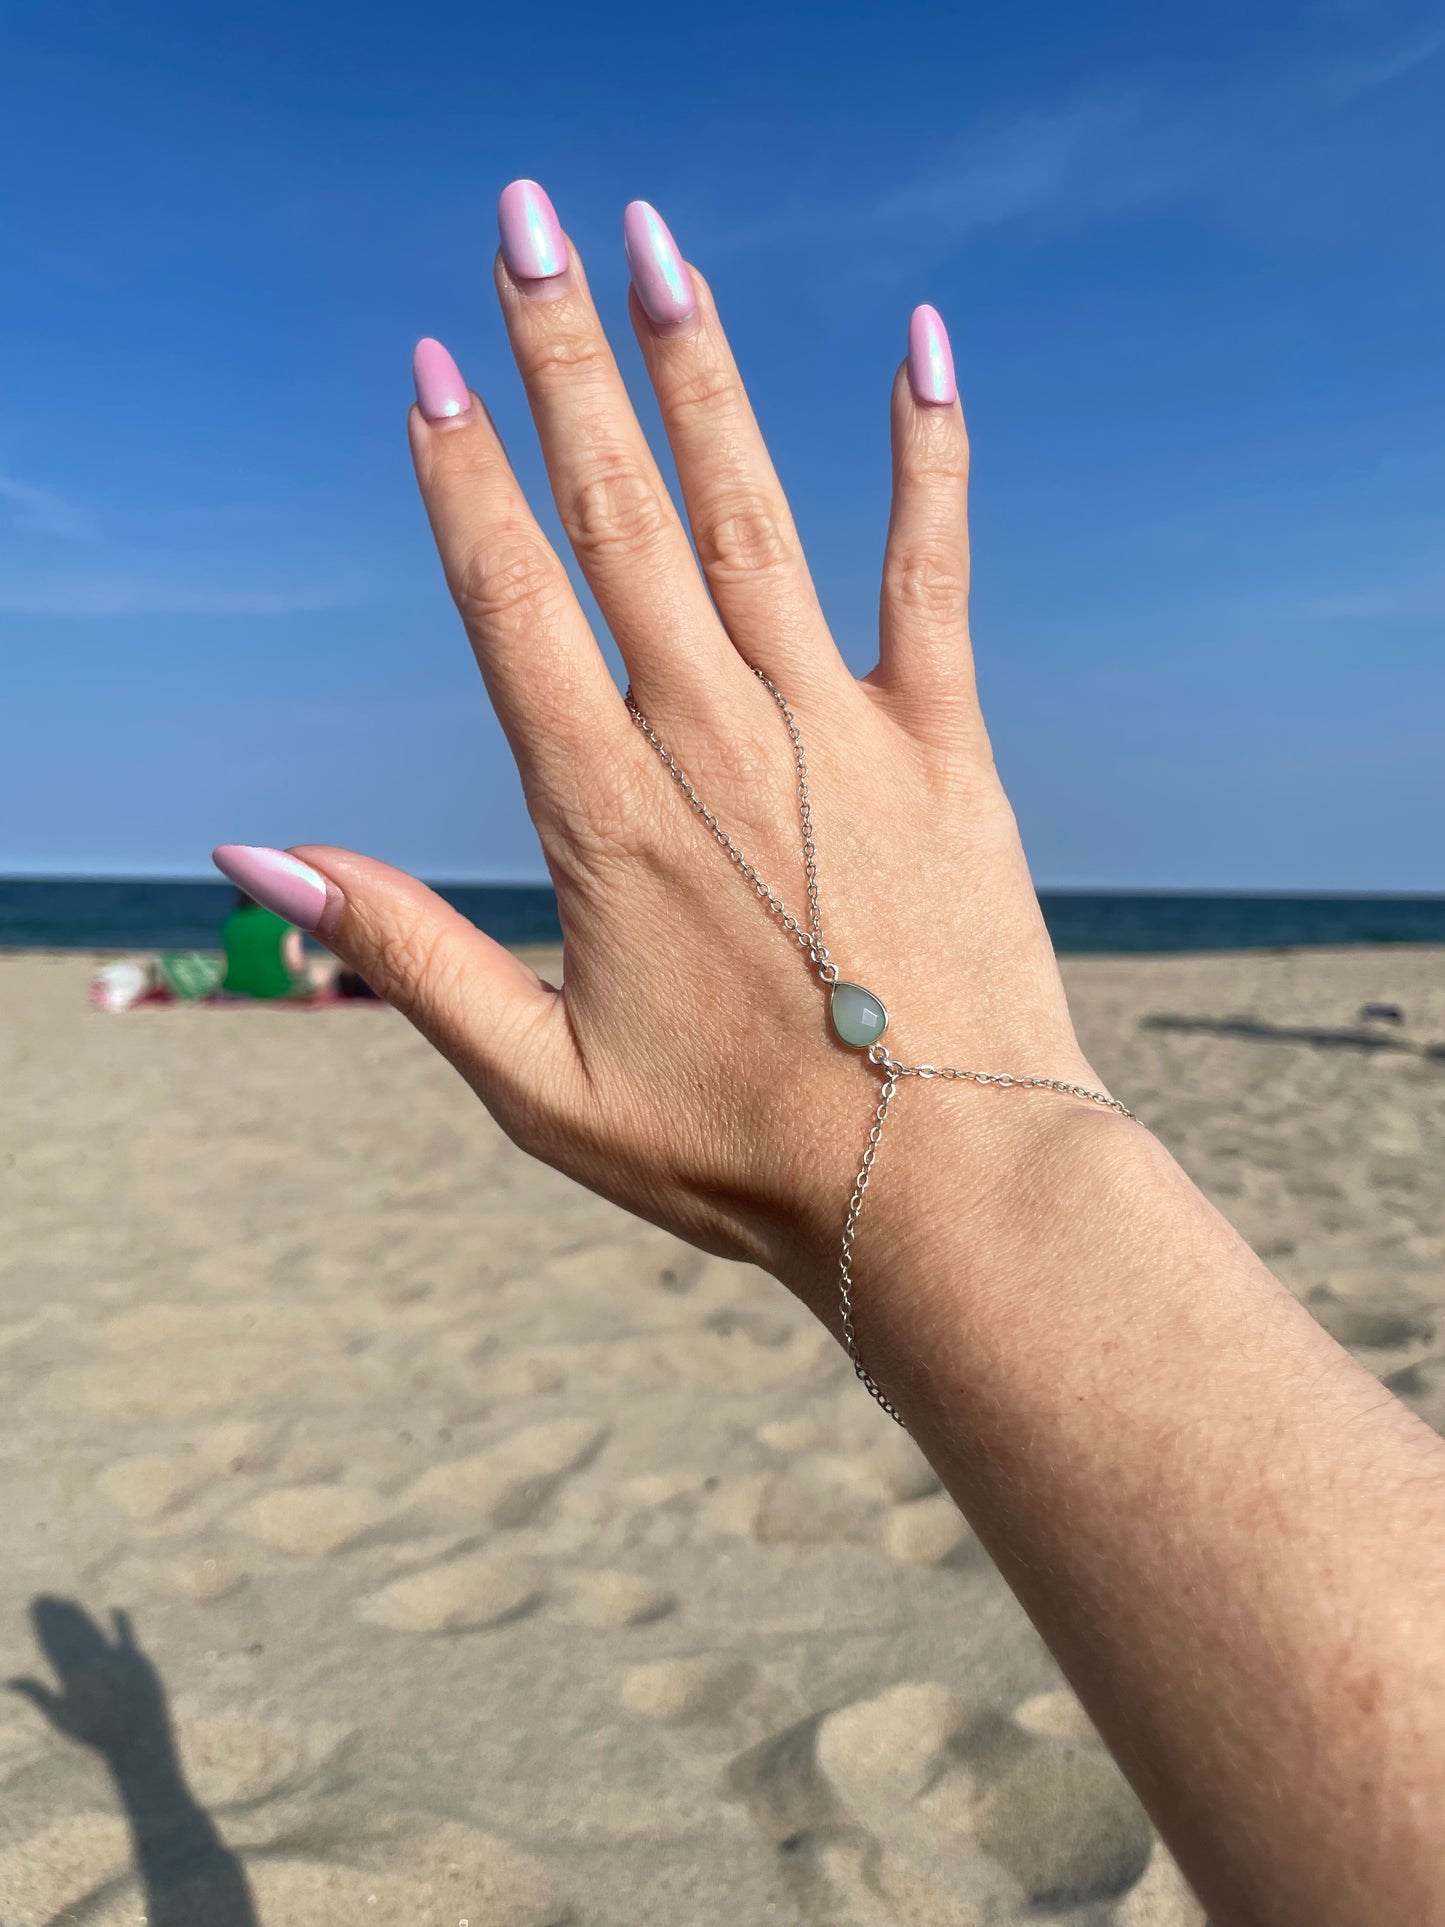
{"x":111,"y":1699}
{"x":1256,"y":1030}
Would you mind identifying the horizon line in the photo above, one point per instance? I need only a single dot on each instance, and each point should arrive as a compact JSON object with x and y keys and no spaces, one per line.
{"x":544,"y":884}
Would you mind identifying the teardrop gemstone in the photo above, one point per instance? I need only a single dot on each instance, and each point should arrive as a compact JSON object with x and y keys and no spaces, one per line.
{"x":859,"y":1019}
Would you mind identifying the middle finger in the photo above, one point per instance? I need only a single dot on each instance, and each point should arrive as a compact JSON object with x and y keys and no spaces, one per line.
{"x":610,"y":495}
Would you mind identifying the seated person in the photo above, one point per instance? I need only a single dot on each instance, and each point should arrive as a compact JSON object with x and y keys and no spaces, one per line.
{"x":264,"y":957}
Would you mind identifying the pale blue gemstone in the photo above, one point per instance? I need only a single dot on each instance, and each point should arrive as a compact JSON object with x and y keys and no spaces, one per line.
{"x":858,"y":1017}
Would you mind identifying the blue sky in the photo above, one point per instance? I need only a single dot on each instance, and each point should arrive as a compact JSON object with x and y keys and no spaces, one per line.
{"x":1191,"y":260}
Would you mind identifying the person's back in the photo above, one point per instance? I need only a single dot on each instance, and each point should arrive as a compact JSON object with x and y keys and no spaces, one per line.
{"x":254,"y":939}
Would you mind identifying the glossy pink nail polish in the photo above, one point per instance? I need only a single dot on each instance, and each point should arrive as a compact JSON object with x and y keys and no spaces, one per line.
{"x":280,"y":882}
{"x":441,"y":394}
{"x":532,"y":243}
{"x":930,"y":359}
{"x":659,"y":273}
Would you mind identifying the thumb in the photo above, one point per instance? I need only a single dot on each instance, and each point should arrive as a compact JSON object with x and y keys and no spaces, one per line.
{"x":495,"y":1019}
{"x":43,"y":1698}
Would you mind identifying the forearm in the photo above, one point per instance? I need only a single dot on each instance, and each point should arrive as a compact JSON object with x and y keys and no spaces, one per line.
{"x":1229,"y":1535}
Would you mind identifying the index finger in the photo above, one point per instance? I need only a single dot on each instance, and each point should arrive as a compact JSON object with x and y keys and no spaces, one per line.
{"x":544,"y":672}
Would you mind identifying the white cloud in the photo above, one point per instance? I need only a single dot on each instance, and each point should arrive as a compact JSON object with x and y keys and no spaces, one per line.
{"x":1383,"y":69}
{"x":1108,"y":151}
{"x":103,"y":577}
{"x":1113,"y":152}
{"x":1390,"y":601}
{"x":29,"y":510}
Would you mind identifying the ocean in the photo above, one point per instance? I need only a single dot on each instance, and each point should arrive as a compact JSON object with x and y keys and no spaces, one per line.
{"x":112,"y":913}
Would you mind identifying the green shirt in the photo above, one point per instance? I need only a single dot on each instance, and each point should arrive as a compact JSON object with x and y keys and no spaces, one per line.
{"x":255,"y":966}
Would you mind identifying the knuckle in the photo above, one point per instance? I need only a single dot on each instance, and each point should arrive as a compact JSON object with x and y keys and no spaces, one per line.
{"x":457,"y":460}
{"x":562,"y":358}
{"x":743,"y":538}
{"x":928,"y":582}
{"x":702,"y":390}
{"x":936,"y":455}
{"x":411,"y":965}
{"x":617,"y":511}
{"x":943,"y":467}
{"x":495,"y":587}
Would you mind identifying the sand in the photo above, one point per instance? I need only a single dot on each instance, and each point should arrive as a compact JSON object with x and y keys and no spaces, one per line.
{"x":492,"y":1560}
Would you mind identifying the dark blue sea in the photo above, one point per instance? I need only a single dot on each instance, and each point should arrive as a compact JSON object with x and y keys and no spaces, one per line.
{"x":148,"y":914}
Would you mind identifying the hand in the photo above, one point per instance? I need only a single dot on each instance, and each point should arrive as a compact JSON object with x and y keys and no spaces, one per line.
{"x":110,"y":1696}
{"x":687,"y":1069}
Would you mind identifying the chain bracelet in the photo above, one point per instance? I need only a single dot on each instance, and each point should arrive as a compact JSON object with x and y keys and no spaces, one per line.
{"x":810,"y":939}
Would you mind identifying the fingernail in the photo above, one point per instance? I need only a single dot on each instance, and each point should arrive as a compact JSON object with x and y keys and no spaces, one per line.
{"x":659,"y":273}
{"x":532,"y":244}
{"x":930,"y":359}
{"x":277,"y":881}
{"x":441,"y":394}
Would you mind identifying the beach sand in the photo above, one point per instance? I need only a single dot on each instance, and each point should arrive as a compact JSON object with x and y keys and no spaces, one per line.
{"x":493,"y":1560}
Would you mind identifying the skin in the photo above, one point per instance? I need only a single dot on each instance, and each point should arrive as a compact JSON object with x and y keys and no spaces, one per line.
{"x":1227,"y":1532}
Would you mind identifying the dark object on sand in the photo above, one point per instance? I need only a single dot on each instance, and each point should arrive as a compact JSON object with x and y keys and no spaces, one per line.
{"x":1381,"y":1014}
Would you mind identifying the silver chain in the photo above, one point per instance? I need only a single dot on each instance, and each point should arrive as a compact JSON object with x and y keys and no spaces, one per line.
{"x":811,"y":940}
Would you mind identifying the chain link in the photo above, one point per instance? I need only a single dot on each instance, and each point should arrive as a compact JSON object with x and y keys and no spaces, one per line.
{"x":1004,"y":1080}
{"x":811,"y":940}
{"x":845,"y":1255}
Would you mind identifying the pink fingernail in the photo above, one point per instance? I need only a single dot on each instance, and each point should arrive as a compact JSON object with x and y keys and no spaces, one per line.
{"x":659,"y":273}
{"x":532,"y":243}
{"x":441,"y":394}
{"x":277,"y":881}
{"x":930,"y":359}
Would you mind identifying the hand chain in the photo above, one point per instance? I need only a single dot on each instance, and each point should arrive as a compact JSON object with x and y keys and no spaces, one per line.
{"x":811,"y":940}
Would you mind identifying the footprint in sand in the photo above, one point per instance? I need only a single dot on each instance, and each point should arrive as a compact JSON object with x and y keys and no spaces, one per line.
{"x":794,"y":1434}
{"x":313,"y":1520}
{"x":957,"y":1806}
{"x":928,"y":1532}
{"x":603,"y":1599}
{"x":147,"y":1487}
{"x":819,"y":1498}
{"x":726,"y":1698}
{"x":509,"y":1483}
{"x":887,"y":1496}
{"x":238,"y":1445}
{"x":202,"y":1574}
{"x":231,"y":1760}
{"x":450,"y":1875}
{"x":524,"y":1374}
{"x":482,"y":1589}
{"x":464,"y":1595}
{"x":178,"y":1385}
{"x":902,"y":1468}
{"x":1056,"y":1715}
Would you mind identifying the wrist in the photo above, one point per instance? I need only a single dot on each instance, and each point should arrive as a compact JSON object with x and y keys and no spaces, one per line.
{"x":977,"y":1195}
